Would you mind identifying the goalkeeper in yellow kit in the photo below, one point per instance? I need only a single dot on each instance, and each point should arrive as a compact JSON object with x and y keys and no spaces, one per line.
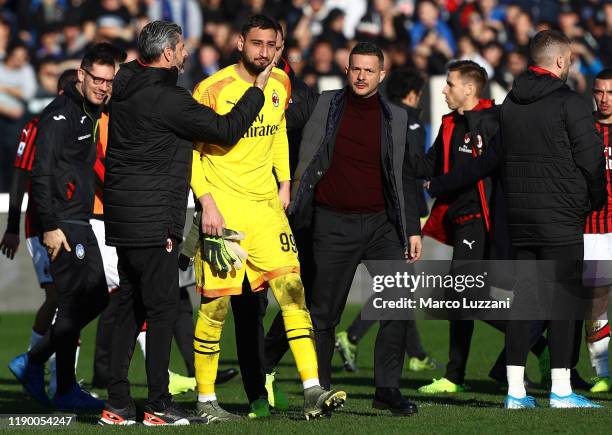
{"x":237,"y":189}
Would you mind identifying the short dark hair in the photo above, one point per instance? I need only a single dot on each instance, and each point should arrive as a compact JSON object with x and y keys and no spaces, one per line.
{"x":258,"y":22}
{"x":470,"y":71}
{"x":118,"y":53}
{"x":545,"y":45}
{"x":401,"y":82}
{"x":155,"y":37}
{"x":604,"y":74}
{"x":368,"y":49}
{"x":99,"y":54}
{"x":67,"y":77}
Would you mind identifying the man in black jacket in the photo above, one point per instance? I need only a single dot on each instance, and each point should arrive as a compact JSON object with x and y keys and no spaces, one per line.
{"x":362,"y":149}
{"x":553,"y":165}
{"x":461,"y":219}
{"x":63,"y":190}
{"x":153,"y":123}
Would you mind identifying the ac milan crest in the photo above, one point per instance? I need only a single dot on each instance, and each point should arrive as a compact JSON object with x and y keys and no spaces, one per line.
{"x":275,"y":99}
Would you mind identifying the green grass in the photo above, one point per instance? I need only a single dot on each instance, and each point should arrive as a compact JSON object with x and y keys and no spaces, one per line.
{"x":475,"y":411}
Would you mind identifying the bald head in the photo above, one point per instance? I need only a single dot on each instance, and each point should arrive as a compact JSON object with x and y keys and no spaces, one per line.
{"x":550,"y":49}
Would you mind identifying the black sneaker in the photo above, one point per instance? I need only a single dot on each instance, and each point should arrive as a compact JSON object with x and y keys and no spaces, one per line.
{"x":170,"y":415}
{"x":393,"y":400}
{"x":319,"y":402}
{"x":118,"y":416}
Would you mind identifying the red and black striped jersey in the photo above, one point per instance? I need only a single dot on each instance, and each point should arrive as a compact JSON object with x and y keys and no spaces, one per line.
{"x":600,"y":222}
{"x":27,"y":145}
{"x":24,"y":160}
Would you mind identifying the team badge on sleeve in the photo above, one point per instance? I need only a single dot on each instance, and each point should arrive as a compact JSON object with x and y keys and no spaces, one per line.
{"x":275,"y":99}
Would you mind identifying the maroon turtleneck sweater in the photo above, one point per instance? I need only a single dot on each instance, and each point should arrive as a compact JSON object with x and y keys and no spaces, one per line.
{"x":353,"y":182}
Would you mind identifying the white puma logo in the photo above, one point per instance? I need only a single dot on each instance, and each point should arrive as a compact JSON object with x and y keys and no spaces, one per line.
{"x":469,"y":243}
{"x":83,"y":118}
{"x":59,"y":117}
{"x":413,"y":126}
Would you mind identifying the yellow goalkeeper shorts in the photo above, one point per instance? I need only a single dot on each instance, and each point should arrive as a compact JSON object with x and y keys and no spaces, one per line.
{"x":269,"y":243}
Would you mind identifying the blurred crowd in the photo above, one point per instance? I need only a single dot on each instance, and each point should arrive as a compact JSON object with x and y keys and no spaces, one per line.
{"x":41,"y":38}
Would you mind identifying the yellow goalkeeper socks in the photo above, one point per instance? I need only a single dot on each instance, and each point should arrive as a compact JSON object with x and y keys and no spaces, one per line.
{"x":289,"y":293}
{"x":301,"y":341}
{"x":206,"y":344}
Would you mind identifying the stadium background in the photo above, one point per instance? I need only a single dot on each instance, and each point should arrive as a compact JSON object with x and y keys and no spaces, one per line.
{"x":44,"y":37}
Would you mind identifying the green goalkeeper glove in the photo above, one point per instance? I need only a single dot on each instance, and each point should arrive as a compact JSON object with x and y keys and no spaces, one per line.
{"x":217,"y":254}
{"x":224,"y":252}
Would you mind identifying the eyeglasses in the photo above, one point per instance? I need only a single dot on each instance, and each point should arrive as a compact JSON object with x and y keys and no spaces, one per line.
{"x":99,"y":80}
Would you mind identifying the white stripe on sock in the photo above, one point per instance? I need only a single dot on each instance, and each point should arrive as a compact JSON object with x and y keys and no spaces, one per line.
{"x":314,"y":382}
{"x":207,"y":397}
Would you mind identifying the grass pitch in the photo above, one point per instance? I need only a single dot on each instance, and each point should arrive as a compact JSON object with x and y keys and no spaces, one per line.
{"x":478,"y":410}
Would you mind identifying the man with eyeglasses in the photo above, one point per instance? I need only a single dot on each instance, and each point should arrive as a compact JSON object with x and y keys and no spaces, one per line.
{"x":63,"y":184}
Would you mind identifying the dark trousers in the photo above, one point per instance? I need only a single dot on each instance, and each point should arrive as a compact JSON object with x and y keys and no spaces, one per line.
{"x":249,"y":309}
{"x":184,"y":330}
{"x":340,"y":242}
{"x":561,"y":331}
{"x":183,"y":334}
{"x":149,"y":291}
{"x":469,"y":243}
{"x":81,"y":296}
{"x":104,"y":340}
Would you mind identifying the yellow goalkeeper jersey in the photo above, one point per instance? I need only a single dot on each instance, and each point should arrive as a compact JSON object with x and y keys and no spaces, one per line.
{"x":247,"y":169}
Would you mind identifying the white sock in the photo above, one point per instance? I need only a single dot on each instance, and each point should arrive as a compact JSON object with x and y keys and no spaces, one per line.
{"x":313,"y":382}
{"x":598,"y":343}
{"x":598,"y":352}
{"x":207,"y":397}
{"x":516,"y":381}
{"x":34,"y":338}
{"x":142,"y":341}
{"x":561,"y":385}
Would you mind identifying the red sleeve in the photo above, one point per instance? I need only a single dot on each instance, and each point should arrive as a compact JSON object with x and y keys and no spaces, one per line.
{"x":27,"y":146}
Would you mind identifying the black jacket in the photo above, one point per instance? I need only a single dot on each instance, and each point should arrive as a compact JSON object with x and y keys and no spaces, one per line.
{"x":553,"y":161}
{"x":152,"y":126}
{"x":461,"y":176}
{"x":62,"y":174}
{"x":416,"y":146}
{"x":301,"y":96}
{"x":317,"y":148}
{"x":482,"y":127}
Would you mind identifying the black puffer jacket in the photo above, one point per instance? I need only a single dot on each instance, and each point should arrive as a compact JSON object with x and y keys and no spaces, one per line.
{"x":62,"y":174}
{"x":553,"y":161}
{"x":152,"y":126}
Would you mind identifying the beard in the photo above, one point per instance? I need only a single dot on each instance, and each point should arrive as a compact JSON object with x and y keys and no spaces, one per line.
{"x":564,"y":74}
{"x":180,"y":66}
{"x":252,"y":67}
